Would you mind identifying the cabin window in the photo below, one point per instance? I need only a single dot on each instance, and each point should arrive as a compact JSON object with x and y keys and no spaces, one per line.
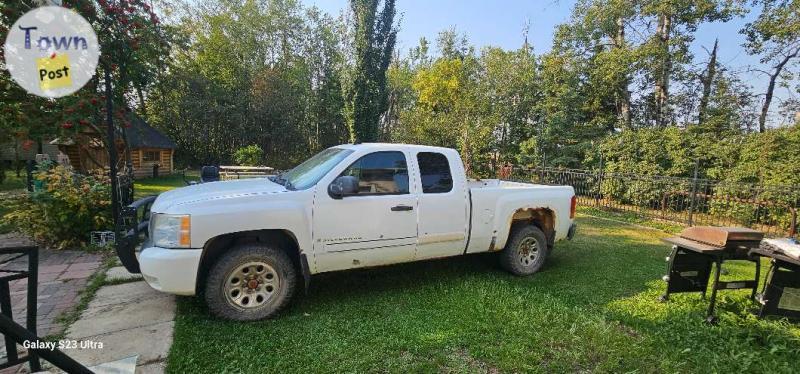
{"x":151,"y":156}
{"x":380,"y":173}
{"x":435,"y":171}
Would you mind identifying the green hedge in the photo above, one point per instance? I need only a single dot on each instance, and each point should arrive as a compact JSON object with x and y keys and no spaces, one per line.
{"x":768,"y":161}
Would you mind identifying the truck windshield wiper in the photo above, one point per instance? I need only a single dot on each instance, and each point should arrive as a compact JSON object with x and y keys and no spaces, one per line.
{"x":283,"y":181}
{"x":279,"y":179}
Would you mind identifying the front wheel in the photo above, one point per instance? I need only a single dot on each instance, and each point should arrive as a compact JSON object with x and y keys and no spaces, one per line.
{"x":250,"y":283}
{"x":525,"y":250}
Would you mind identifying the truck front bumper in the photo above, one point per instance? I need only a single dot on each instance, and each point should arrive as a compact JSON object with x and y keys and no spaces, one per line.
{"x":170,"y":270}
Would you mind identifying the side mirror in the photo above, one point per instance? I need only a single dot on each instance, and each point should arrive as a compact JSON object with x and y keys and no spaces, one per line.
{"x":343,"y":186}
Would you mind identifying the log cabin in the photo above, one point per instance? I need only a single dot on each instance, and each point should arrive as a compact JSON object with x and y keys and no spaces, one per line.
{"x":151,"y":152}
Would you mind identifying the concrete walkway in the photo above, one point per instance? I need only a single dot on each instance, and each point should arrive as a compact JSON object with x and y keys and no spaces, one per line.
{"x":128,"y":320}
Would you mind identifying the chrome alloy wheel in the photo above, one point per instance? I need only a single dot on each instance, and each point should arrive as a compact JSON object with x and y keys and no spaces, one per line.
{"x":528,"y":251}
{"x":251,"y":285}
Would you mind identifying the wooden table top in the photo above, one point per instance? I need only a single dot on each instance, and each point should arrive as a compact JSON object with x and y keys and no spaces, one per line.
{"x":693,"y":245}
{"x":15,"y":242}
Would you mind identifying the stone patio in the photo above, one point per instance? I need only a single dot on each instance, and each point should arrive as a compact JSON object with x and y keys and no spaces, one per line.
{"x":125,"y":324}
{"x":62,"y":277}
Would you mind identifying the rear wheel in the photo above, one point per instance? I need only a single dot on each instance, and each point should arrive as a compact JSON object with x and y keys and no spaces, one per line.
{"x":525,"y":251}
{"x":249,"y":283}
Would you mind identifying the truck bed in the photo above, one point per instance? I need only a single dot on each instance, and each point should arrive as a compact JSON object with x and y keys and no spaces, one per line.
{"x":493,"y":203}
{"x":501,"y":184}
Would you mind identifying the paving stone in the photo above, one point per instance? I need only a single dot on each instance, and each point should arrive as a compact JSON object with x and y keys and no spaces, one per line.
{"x":124,"y":366}
{"x":75,"y":274}
{"x":122,"y":316}
{"x":121,"y":293}
{"x":153,"y":368}
{"x":120,"y":273}
{"x":83,"y":266}
{"x":51,"y":300}
{"x":151,"y":343}
{"x":49,"y":269}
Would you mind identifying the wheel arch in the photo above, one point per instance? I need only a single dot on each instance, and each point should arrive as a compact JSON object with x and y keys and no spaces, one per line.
{"x":218,"y":245}
{"x":543,"y":218}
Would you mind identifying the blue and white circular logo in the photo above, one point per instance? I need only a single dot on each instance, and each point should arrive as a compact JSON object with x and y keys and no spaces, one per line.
{"x":51,"y":51}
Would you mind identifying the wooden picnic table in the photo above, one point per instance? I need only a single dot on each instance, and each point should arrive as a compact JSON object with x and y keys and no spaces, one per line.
{"x":239,"y":172}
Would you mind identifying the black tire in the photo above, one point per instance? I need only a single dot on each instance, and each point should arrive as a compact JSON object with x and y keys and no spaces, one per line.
{"x":277,"y":281}
{"x":517,"y":257}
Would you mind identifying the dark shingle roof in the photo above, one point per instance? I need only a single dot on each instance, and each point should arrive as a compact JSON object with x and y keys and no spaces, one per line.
{"x":142,"y":135}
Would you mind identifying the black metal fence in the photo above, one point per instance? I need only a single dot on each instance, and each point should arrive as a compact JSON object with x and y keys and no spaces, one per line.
{"x":689,"y":201}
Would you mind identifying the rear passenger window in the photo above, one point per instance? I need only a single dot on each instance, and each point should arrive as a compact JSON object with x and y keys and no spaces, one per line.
{"x":435,"y":172}
{"x":380,"y":173}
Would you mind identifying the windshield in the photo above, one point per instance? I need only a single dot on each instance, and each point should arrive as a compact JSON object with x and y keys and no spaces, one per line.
{"x":312,"y":170}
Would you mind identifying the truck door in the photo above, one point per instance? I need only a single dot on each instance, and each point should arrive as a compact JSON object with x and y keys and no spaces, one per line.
{"x":376,"y":226}
{"x":443,"y":210}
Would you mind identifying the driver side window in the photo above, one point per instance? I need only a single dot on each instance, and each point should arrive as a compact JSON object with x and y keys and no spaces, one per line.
{"x":380,"y":173}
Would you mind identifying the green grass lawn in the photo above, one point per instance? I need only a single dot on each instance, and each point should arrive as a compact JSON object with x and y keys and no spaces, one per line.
{"x":592,"y":308}
{"x":12,"y":182}
{"x":154,"y":186}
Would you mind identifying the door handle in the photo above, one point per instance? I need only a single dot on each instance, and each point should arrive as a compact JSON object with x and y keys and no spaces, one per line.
{"x":401,"y":208}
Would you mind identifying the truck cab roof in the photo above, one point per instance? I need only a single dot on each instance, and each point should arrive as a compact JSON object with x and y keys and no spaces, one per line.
{"x":394,"y":146}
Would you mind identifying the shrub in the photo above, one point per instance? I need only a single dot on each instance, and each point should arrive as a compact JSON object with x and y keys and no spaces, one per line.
{"x":761,"y":166}
{"x":64,"y":211}
{"x":252,"y":155}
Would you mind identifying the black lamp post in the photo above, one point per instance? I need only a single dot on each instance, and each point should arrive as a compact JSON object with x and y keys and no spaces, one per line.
{"x":112,"y":150}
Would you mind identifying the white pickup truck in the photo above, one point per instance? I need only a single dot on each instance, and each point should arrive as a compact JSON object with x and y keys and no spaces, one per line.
{"x":248,"y":245}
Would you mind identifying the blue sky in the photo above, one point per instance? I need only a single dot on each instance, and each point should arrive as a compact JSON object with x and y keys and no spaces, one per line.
{"x":500,"y":23}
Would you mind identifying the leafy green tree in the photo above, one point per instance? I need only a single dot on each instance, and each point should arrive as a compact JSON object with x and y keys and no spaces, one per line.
{"x":775,"y":37}
{"x":509,"y":89}
{"x":133,"y":48}
{"x":600,"y":30}
{"x":577,"y":103}
{"x":730,"y":109}
{"x":374,"y":39}
{"x":668,"y":48}
{"x":449,"y":111}
{"x":325,"y":62}
{"x":250,"y":72}
{"x":251,"y":155}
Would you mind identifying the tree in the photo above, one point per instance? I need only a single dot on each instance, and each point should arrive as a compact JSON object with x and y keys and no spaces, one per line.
{"x":251,"y":155}
{"x":775,"y":36}
{"x":600,"y":29}
{"x":728,"y":109}
{"x":374,"y":39}
{"x":509,"y":89}
{"x":676,"y":22}
{"x":448,"y":108}
{"x":133,"y":48}
{"x":265,"y":73}
{"x":325,"y":61}
{"x":453,"y":44}
{"x":707,"y":80}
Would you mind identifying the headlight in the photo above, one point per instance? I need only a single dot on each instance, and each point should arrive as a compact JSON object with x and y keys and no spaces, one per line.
{"x":171,"y":231}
